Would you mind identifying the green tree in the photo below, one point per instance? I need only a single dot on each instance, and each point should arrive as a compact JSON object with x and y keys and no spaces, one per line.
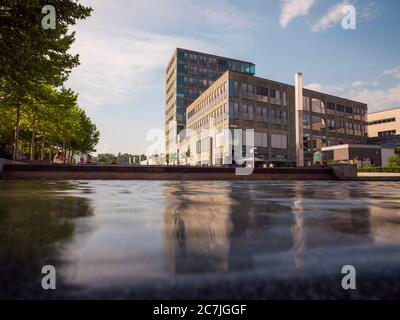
{"x":31,"y":55}
{"x":187,"y":155}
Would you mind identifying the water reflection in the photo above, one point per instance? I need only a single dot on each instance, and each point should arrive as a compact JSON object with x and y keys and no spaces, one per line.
{"x":118,"y":234}
{"x":36,"y":223}
{"x":196,"y":228}
{"x":233,"y":226}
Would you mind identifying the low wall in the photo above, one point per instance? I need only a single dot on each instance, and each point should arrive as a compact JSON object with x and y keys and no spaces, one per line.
{"x":6,"y":161}
{"x":115,"y":172}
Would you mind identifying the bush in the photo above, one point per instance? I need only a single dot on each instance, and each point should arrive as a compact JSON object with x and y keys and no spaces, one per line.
{"x":394,"y":161}
{"x":380,"y":169}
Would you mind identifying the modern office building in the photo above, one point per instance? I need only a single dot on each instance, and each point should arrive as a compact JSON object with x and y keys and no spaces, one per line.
{"x":189,"y":74}
{"x":384,"y":128}
{"x":244,"y":101}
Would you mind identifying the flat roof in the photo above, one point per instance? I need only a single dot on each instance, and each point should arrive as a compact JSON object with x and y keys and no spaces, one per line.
{"x":385,"y":110}
{"x":214,"y":55}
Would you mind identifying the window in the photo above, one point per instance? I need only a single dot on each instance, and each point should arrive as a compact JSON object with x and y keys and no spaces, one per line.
{"x":247,"y":112}
{"x":284,"y":117}
{"x":278,"y":96}
{"x":284,"y":98}
{"x":349,"y":110}
{"x":275,"y":116}
{"x":181,"y":56}
{"x":198,"y":146}
{"x":192,"y":70}
{"x":330,"y":108}
{"x":203,"y":60}
{"x":386,"y":133}
{"x":205,"y":144}
{"x":306,"y":103}
{"x":192,"y":58}
{"x":180,"y":80}
{"x":316,"y":105}
{"x":272,"y":96}
{"x":331,"y":124}
{"x":265,"y":114}
{"x":262,"y":91}
{"x":246,"y":90}
{"x":182,"y":68}
{"x":278,"y":141}
{"x":316,"y":123}
{"x":262,"y":94}
{"x":340,"y":108}
{"x":234,"y":110}
{"x":260,"y":139}
{"x":222,"y":65}
{"x":233,"y":88}
{"x":371,"y":123}
{"x":306,"y":122}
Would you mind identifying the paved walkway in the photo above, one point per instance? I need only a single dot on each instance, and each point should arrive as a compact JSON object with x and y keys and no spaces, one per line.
{"x":378,"y":174}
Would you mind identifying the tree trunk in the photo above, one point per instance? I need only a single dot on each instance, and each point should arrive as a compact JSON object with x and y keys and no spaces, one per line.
{"x":64,"y":151}
{"x":16,"y":133}
{"x":32,"y":150}
{"x":42,"y":147}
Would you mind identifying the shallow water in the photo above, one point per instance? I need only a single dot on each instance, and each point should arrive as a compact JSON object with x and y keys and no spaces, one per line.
{"x":199,"y":239}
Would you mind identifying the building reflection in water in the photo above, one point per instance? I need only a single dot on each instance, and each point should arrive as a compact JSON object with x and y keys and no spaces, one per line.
{"x":298,"y":225}
{"x":233,"y":226}
{"x":222,"y":226}
{"x":196,"y":227}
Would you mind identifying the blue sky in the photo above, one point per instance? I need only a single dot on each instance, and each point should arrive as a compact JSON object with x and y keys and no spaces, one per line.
{"x":125,"y":45}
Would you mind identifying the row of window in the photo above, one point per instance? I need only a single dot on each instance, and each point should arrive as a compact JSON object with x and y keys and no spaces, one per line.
{"x":317,"y":123}
{"x":318,"y":106}
{"x":278,"y":141}
{"x":262,"y":94}
{"x":214,"y":97}
{"x":194,"y":82}
{"x":260,"y":114}
{"x":214,"y":62}
{"x":216,"y":114}
{"x":386,"y":133}
{"x":192,"y":70}
{"x":371,"y":123}
{"x":194,"y":58}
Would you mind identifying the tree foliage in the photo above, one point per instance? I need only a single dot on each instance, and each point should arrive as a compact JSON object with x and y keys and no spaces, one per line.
{"x":394,"y":161}
{"x":37,"y":114}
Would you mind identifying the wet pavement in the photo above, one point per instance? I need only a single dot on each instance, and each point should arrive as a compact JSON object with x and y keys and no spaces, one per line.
{"x":199,"y":239}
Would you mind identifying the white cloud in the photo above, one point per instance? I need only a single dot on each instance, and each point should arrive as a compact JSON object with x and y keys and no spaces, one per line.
{"x":376,"y":99}
{"x":333,"y":88}
{"x":330,"y":18}
{"x":395,"y":72}
{"x":313,"y":86}
{"x":293,"y":8}
{"x":123,"y":64}
{"x":360,"y":83}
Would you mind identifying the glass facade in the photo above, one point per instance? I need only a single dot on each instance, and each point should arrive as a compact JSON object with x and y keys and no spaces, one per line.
{"x":195,"y":72}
